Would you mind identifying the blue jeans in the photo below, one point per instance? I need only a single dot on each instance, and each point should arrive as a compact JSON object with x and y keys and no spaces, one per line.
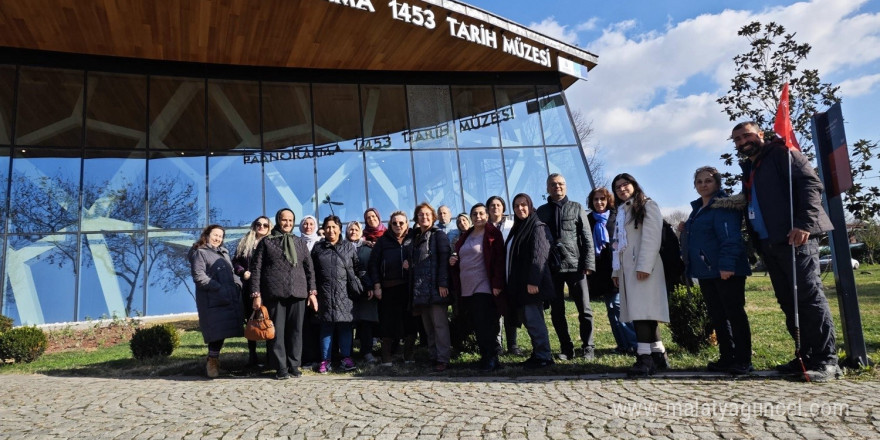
{"x":343,"y":332}
{"x":624,"y":333}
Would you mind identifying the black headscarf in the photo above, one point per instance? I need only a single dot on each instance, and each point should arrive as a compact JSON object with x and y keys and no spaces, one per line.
{"x":288,"y":240}
{"x":522,"y":228}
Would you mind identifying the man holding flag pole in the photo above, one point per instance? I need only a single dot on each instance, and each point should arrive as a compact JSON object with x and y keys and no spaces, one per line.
{"x":784,"y":213}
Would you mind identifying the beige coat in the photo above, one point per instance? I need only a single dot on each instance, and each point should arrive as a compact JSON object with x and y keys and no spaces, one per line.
{"x":646,"y":299}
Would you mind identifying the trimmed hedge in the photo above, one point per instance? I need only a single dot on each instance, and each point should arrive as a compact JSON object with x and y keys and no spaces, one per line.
{"x":689,"y":319}
{"x":23,"y":344}
{"x":158,"y":340}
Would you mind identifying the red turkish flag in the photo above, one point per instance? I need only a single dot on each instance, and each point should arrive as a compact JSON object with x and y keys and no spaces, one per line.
{"x":782,"y":125}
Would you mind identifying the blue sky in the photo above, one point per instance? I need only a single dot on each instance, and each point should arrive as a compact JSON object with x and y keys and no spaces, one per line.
{"x":662,"y":65}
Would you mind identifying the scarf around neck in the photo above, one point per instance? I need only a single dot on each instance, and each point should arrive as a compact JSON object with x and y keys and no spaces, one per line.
{"x":600,"y":231}
{"x":288,"y":244}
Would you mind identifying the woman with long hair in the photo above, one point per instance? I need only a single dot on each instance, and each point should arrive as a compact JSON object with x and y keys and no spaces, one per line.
{"x":603,"y":219}
{"x":637,"y":271}
{"x":529,"y":281}
{"x":366,"y":308}
{"x":335,"y":260}
{"x":714,"y":254}
{"x":241,"y":262}
{"x":429,"y":283}
{"x":218,"y":297}
{"x":283,"y":276}
{"x":390,"y":280}
{"x":478,"y":273}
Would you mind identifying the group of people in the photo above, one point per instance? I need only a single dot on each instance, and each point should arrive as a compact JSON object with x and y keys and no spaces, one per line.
{"x":394,"y":281}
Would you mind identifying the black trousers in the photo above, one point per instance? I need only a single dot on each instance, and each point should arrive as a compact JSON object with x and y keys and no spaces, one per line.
{"x":580,"y":293}
{"x":484,"y":318}
{"x":395,"y":319}
{"x":726,"y":302}
{"x":285,"y":350}
{"x":816,"y":327}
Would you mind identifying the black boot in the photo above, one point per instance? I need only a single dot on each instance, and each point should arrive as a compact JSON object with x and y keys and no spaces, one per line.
{"x":661,"y":362}
{"x":643,"y":367}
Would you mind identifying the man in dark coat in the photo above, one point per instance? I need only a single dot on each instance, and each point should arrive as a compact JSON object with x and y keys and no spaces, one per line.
{"x":573,"y":244}
{"x":778,"y":220}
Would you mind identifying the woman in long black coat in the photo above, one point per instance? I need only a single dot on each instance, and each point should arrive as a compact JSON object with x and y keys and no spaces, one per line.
{"x":218,"y":297}
{"x":335,"y":261}
{"x":529,"y":282}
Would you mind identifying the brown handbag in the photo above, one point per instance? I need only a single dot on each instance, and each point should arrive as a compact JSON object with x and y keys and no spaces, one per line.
{"x":259,"y":327}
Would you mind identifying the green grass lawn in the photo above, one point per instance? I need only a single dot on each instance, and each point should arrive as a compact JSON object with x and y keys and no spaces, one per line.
{"x":771,"y":344}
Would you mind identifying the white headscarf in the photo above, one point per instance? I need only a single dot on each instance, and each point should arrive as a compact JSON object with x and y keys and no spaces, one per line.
{"x":312,"y":238}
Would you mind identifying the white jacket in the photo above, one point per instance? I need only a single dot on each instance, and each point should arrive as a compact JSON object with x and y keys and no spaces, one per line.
{"x":646,"y":299}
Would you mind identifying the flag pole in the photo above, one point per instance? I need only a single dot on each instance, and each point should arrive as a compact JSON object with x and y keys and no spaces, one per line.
{"x":783,"y":128}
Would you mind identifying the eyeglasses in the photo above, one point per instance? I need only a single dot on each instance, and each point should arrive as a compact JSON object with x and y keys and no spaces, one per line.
{"x":398,"y":223}
{"x":262,"y":225}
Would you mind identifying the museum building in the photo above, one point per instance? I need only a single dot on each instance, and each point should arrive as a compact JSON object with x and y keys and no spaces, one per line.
{"x":127,"y":126}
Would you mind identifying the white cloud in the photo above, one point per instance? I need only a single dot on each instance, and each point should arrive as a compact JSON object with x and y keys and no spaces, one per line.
{"x":862,"y":85}
{"x":551,"y":28}
{"x":653,"y":93}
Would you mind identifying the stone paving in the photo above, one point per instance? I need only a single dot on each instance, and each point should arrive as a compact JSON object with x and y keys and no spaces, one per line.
{"x":346,"y":407}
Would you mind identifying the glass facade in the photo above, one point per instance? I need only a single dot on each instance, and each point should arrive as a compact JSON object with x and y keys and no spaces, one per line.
{"x":107,"y":178}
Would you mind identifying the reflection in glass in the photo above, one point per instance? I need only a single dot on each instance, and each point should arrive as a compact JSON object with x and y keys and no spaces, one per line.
{"x":558,"y":129}
{"x":4,"y":178}
{"x":177,"y":191}
{"x":40,"y":278}
{"x":341,"y":186}
{"x":177,"y":113}
{"x":569,"y":162}
{"x":114,"y":195}
{"x":112,"y":276}
{"x":437,"y":180}
{"x":116,"y":110}
{"x":525,"y":128}
{"x":7,"y":92}
{"x":384,"y":112}
{"x":290,"y":183}
{"x":476,"y":119}
{"x":482,"y":176}
{"x":49,"y":107}
{"x":337,"y":114}
{"x":430,"y":116}
{"x":233,"y":115}
{"x":527,"y":173}
{"x":170,"y":287}
{"x":390,"y":182}
{"x":45,"y":191}
{"x":287,"y":115}
{"x":235,"y":190}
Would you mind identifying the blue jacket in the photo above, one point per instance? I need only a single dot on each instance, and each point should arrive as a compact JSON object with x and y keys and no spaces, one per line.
{"x":712,"y":239}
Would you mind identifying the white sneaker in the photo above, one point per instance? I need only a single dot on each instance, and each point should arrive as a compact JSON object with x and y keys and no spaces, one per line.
{"x":369,"y":358}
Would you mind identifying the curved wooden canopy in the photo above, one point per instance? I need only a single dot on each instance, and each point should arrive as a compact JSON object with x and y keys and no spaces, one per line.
{"x":318,"y":34}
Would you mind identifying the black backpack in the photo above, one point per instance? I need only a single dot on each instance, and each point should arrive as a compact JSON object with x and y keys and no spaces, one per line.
{"x":670,"y":254}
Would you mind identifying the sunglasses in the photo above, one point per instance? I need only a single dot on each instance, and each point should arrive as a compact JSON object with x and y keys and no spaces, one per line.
{"x":261,"y":225}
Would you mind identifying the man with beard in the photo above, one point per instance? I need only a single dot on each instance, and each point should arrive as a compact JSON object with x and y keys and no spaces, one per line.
{"x":780,"y":218}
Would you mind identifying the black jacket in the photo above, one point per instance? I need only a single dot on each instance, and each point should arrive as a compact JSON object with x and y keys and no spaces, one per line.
{"x":334,"y":303}
{"x":429,"y":266}
{"x":274,"y":277}
{"x":574,"y":239}
{"x":600,"y":282}
{"x":386,"y":261}
{"x":529,"y":266}
{"x":771,"y":181}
